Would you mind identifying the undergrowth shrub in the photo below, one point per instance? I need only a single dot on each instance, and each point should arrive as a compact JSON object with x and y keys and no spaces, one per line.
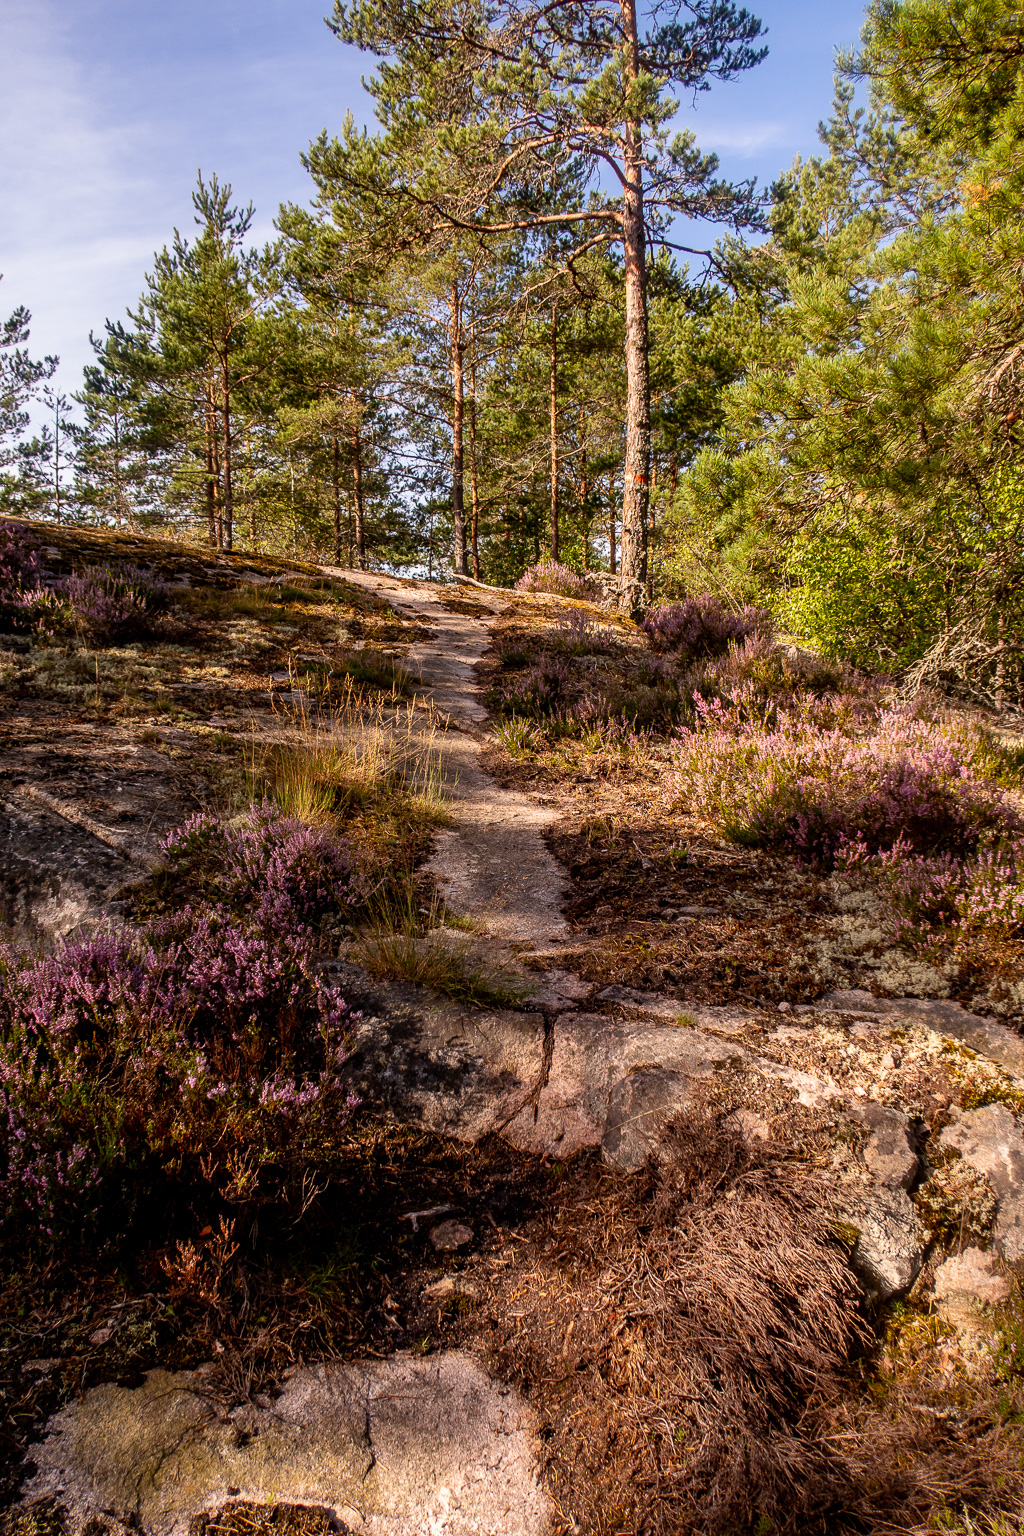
{"x":814,"y":790}
{"x":761,"y":679}
{"x":272,"y":869}
{"x":945,"y":903}
{"x":201,"y":1057}
{"x":104,"y":604}
{"x":538,"y":690}
{"x":551,"y":576}
{"x":702,"y":627}
{"x":20,"y":569}
{"x":575,"y":633}
{"x":111,"y":604}
{"x":205,"y":1061}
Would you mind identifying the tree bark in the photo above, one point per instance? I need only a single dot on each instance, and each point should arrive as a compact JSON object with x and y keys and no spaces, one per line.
{"x":212,"y":470}
{"x":553,"y":412}
{"x":636,"y":478}
{"x":229,"y":495}
{"x":357,"y":494}
{"x":458,"y":433}
{"x":474,"y":536}
{"x":583,"y":493}
{"x":336,"y":482}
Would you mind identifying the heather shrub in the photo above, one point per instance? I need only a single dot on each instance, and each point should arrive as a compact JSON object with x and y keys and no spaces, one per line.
{"x":702,"y":627}
{"x":201,"y":1054}
{"x":761,"y":679}
{"x":111,"y":604}
{"x":274,"y":870}
{"x":813,"y":790}
{"x":20,"y":576}
{"x":20,"y":566}
{"x":937,"y":903}
{"x":575,"y":633}
{"x":537,"y":691}
{"x":551,"y":576}
{"x":204,"y":1061}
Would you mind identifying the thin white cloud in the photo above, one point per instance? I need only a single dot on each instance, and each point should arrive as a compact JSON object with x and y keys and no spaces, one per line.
{"x":743,"y":139}
{"x":68,"y":179}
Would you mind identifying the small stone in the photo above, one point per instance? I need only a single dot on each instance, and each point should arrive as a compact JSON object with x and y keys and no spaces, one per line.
{"x":448,"y":1235}
{"x":971,"y":1274}
{"x":102,"y":1335}
{"x":748,"y":1126}
{"x":887,"y":1062}
{"x":785,"y":1007}
{"x":449,"y":1286}
{"x":889,"y":1152}
{"x":639,"y":1106}
{"x":891,"y":1241}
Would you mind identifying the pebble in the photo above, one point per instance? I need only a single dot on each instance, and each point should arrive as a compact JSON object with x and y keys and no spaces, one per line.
{"x":448,"y":1235}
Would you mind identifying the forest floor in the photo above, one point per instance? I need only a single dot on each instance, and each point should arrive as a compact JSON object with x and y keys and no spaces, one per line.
{"x":566,"y":970}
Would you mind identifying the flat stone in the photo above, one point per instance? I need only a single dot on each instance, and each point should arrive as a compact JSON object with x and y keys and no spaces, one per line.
{"x":401,"y":1447}
{"x":449,"y":1235}
{"x":450,"y":1286}
{"x":634,"y":1002}
{"x":639,"y":1107}
{"x":990,"y":1140}
{"x":591,"y":1054}
{"x":891,"y":1241}
{"x":889,"y":1152}
{"x":981,"y":1034}
{"x":972,"y":1275}
{"x":748,"y":1126}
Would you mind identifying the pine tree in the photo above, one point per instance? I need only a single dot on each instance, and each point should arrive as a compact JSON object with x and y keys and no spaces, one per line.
{"x":490,"y":108}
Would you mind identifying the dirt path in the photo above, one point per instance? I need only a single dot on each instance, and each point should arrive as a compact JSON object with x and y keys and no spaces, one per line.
{"x":493,"y":865}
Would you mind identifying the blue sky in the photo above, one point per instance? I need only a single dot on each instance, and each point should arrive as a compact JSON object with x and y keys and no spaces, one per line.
{"x":110,"y":107}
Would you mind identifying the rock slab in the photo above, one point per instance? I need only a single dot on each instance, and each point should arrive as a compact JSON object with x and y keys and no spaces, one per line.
{"x":399,"y":1447}
{"x":990,"y":1140}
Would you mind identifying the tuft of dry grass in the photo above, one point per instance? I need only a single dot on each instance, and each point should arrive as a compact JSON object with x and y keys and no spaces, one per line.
{"x":328,"y":762}
{"x":405,"y":941}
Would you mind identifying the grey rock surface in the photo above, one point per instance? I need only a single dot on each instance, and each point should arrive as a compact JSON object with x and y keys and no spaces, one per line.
{"x":984,"y":1035}
{"x":57,"y":879}
{"x":639,"y":1106}
{"x":591,"y":1054}
{"x":889,"y":1152}
{"x":972,"y":1275}
{"x":990,"y":1140}
{"x":891,"y":1242}
{"x":402,"y":1447}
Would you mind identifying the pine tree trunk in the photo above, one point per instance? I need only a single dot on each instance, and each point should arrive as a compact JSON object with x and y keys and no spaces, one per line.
{"x":582,"y":498}
{"x":336,"y":484}
{"x":357,"y":496}
{"x":211,"y":473}
{"x":652,"y":543}
{"x":458,"y":432}
{"x":553,"y":413}
{"x":474,"y":537}
{"x":229,"y":496}
{"x":636,"y":478}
